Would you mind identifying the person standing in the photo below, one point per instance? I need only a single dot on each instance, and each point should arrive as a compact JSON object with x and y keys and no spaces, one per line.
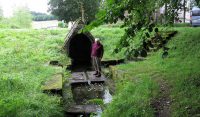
{"x":97,"y":54}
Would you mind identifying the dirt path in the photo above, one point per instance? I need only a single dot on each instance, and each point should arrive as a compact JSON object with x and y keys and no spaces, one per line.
{"x":162,"y":103}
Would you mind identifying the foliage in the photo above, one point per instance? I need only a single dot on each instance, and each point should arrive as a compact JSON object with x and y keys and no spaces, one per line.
{"x":95,"y":102}
{"x":132,"y":99}
{"x":42,"y":16}
{"x":182,"y":25}
{"x":109,"y":36}
{"x":7,"y":23}
{"x":71,"y":10}
{"x":62,"y":25}
{"x":22,"y":18}
{"x":24,"y":55}
{"x":3,"y":24}
{"x":137,"y":16}
{"x":24,"y":66}
{"x":1,"y":13}
{"x":196,"y":2}
{"x":180,"y":69}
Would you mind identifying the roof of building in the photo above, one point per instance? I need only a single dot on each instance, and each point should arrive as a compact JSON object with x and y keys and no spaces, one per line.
{"x":77,"y":28}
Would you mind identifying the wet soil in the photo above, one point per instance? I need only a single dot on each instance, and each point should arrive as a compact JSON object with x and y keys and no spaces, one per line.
{"x":162,"y":103}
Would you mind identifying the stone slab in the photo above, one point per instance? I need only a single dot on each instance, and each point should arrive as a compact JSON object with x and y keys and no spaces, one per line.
{"x":86,"y":77}
{"x":55,"y":83}
{"x":83,"y":109}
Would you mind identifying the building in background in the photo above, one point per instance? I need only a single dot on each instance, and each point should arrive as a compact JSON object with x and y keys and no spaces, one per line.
{"x":45,"y":24}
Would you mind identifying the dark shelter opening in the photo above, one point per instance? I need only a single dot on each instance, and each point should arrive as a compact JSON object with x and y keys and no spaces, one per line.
{"x":80,"y":50}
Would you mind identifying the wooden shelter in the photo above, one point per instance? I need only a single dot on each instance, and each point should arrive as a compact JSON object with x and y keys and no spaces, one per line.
{"x":78,"y":45}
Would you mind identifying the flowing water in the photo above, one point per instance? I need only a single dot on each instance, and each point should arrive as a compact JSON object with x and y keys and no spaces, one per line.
{"x":107,"y":96}
{"x":83,"y":94}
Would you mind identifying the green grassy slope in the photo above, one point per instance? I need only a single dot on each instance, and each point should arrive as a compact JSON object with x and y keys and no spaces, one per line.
{"x":139,"y":83}
{"x":24,"y":56}
{"x":25,"y":53}
{"x":109,"y":37}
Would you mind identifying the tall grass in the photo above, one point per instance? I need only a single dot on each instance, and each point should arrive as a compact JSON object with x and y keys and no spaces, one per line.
{"x":109,"y":37}
{"x":180,"y":69}
{"x":133,"y":98}
{"x":24,"y":55}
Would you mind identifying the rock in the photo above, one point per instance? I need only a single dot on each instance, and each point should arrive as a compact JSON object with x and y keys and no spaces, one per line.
{"x":54,"y":84}
{"x":83,"y":109}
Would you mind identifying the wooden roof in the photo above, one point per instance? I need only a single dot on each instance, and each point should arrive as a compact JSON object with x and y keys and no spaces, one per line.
{"x":76,"y":29}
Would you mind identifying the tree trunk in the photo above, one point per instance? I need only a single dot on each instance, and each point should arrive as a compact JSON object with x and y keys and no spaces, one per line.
{"x":82,"y":12}
{"x":184,"y":10}
{"x":165,"y":13}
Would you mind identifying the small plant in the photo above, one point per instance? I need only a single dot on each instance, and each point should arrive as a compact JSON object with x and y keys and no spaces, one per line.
{"x":62,"y":25}
{"x":96,"y":102}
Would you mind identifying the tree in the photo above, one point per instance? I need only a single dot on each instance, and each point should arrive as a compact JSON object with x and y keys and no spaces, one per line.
{"x":184,"y":10}
{"x":1,"y":13}
{"x":194,"y":3}
{"x":138,"y":20}
{"x":197,"y":2}
{"x":71,"y":10}
{"x":36,"y":16}
{"x":22,"y":17}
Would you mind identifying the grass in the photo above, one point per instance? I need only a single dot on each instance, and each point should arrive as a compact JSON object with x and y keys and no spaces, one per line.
{"x":132,"y":99}
{"x":180,"y":69}
{"x":24,"y":55}
{"x":109,"y":37}
{"x":182,"y":25}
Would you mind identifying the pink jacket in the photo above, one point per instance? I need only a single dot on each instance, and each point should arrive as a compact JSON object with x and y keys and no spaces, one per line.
{"x":97,"y":50}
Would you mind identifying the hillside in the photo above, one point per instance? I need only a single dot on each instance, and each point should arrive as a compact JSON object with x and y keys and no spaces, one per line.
{"x":25,"y":55}
{"x":142,"y":87}
{"x":159,"y":86}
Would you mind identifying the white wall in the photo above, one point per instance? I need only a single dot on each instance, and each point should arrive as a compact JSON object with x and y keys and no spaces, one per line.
{"x":45,"y":24}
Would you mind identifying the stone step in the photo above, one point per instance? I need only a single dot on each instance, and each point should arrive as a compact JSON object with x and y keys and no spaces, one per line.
{"x":86,"y":77}
{"x":83,"y":109}
{"x":54,"y":85}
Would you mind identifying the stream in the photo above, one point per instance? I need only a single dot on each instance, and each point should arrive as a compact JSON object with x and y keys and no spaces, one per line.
{"x":90,"y":94}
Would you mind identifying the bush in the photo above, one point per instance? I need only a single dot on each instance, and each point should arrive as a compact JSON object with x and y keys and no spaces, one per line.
{"x":61,"y":25}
